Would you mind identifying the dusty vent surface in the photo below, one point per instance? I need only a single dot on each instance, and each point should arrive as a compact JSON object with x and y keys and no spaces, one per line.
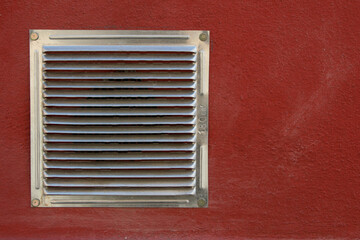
{"x":119,"y":118}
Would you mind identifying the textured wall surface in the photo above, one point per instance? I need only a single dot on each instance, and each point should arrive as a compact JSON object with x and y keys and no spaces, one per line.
{"x":284,"y":120}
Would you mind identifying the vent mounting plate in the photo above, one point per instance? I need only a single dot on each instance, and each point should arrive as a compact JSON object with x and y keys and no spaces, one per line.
{"x":119,"y":118}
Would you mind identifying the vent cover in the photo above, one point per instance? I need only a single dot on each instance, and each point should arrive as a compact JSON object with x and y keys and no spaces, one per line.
{"x":119,"y":118}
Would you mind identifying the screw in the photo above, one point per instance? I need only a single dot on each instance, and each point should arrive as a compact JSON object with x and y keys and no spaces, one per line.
{"x":35,"y":202}
{"x":34,"y":36}
{"x":201,"y":202}
{"x":203,"y":37}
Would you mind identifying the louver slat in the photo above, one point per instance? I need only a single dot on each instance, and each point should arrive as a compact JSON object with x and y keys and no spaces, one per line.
{"x":106,"y":84}
{"x":124,"y":102}
{"x":183,"y":164}
{"x":151,"y":57}
{"x":120,"y":156}
{"x":72,"y":66}
{"x":119,"y":120}
{"x":120,"y":183}
{"x":119,"y":173}
{"x":122,"y":191}
{"x":120,"y":138}
{"x":117,"y":93}
{"x":120,"y":48}
{"x":141,"y":75}
{"x":118,"y":147}
{"x":119,"y":111}
{"x":67,"y":129}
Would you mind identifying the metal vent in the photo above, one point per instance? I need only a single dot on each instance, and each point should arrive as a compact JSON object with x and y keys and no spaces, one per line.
{"x":119,"y":118}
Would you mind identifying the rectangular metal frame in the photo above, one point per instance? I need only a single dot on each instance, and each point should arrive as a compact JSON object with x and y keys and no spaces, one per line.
{"x":40,"y":38}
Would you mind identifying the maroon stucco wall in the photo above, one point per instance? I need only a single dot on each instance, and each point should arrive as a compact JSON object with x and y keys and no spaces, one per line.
{"x":284,"y":120}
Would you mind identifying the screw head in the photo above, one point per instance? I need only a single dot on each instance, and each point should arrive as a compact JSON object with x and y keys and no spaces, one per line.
{"x":35,"y":202}
{"x":34,"y":36}
{"x":201,"y":202}
{"x":203,"y":37}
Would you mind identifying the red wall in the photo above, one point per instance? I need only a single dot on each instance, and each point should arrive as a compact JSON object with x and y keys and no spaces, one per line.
{"x":284,"y":120}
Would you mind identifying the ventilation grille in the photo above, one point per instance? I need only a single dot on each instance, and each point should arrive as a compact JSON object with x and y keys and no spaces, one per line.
{"x":119,"y":120}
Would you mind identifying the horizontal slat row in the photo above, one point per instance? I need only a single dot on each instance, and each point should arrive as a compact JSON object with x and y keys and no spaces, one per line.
{"x":120,"y":48}
{"x":65,"y":129}
{"x":118,"y":147}
{"x":111,"y":84}
{"x":119,"y":120}
{"x":128,"y":57}
{"x":183,"y":173}
{"x":156,"y":111}
{"x":104,"y":156}
{"x":124,"y":102}
{"x":163,"y":164}
{"x":120,"y":183}
{"x":91,"y":66}
{"x":121,"y":191}
{"x":118,"y":93}
{"x":141,"y":75}
{"x":120,"y":138}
